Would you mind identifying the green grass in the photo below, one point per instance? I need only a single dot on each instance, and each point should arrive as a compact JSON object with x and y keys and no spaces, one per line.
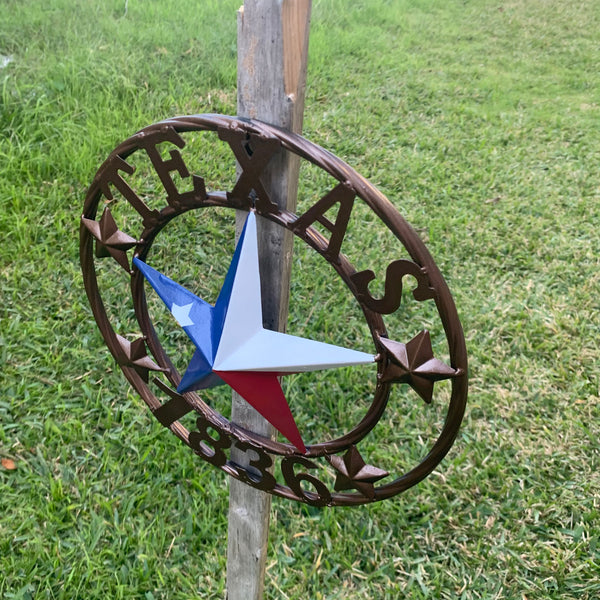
{"x":479,"y":120}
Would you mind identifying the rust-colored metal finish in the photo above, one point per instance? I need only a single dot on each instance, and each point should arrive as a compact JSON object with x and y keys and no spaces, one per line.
{"x":275,"y":467}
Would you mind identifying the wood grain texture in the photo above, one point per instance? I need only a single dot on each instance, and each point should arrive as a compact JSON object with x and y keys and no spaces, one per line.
{"x":272,"y":60}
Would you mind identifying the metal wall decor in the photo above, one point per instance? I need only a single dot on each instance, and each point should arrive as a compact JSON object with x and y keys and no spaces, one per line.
{"x":329,"y":472}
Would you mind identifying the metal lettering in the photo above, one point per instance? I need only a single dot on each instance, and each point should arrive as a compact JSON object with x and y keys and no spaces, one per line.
{"x":164,"y":168}
{"x":111,"y":175}
{"x":341,"y":194}
{"x":257,"y":473}
{"x":321,"y":496}
{"x":253,"y":153}
{"x":206,"y":446}
{"x":392,"y":297}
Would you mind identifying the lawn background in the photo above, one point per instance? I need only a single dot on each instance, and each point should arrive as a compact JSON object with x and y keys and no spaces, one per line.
{"x":479,"y":120}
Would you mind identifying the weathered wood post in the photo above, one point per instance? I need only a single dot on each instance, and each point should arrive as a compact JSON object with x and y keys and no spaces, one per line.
{"x":272,"y":59}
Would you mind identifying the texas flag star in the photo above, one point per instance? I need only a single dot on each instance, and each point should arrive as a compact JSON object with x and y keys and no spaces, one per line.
{"x":232,"y":346}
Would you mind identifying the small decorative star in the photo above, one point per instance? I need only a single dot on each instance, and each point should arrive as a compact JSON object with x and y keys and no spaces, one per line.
{"x":232,"y":346}
{"x":110,"y":241}
{"x":353,"y":472}
{"x":133,"y":354}
{"x":414,"y":363}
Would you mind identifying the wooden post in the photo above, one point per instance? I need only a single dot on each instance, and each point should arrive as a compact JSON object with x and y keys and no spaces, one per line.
{"x":272,"y":59}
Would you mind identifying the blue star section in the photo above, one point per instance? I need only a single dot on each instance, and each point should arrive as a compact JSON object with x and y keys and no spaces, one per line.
{"x":199,"y":375}
{"x":202,"y":322}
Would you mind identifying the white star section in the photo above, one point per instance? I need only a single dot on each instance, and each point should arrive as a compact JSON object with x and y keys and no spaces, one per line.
{"x":246,"y":346}
{"x":182,"y":314}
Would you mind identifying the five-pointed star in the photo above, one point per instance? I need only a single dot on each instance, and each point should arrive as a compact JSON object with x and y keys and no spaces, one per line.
{"x":134,"y":355}
{"x":353,"y":472}
{"x":110,"y":240}
{"x":414,"y":363}
{"x":232,"y":345}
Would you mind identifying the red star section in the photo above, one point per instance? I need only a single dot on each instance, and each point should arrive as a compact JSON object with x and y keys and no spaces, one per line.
{"x":263,"y":392}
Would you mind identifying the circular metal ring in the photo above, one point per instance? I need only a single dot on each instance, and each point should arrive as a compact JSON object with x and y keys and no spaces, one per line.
{"x":254,"y":144}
